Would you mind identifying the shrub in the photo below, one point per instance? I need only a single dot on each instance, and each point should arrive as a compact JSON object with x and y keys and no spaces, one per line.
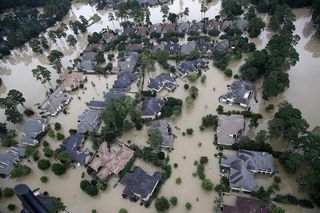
{"x":189,"y":101}
{"x":58,"y":169}
{"x":84,"y":184}
{"x":92,"y":190}
{"x":188,"y":205}
{"x":269,"y":108}
{"x":228,"y":72}
{"x":178,"y":180}
{"x":28,"y":112}
{"x":193,"y":92}
{"x":72,"y":131}
{"x":57,"y":126}
{"x":47,"y":152}
{"x":189,"y":131}
{"x":11,"y":207}
{"x":44,"y":164}
{"x":287,"y":199}
{"x":192,"y":76}
{"x":45,"y":143}
{"x":204,"y":159}
{"x":7,"y":192}
{"x":51,"y":133}
{"x":277,"y":179}
{"x":162,"y":204}
{"x":20,"y":170}
{"x":44,"y":179}
{"x":203,"y":78}
{"x":306,"y":204}
{"x":220,"y":109}
{"x":207,"y":185}
{"x":200,"y":171}
{"x":60,"y":136}
{"x":186,"y":86}
{"x":123,"y":211}
{"x":174,"y":201}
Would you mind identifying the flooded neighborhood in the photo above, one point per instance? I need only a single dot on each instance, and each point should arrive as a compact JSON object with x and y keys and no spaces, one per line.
{"x":167,"y":114}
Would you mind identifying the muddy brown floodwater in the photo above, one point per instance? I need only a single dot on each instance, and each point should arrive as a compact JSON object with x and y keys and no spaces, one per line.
{"x":16,"y":73}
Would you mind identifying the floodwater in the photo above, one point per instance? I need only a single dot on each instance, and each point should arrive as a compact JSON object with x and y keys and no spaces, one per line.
{"x":16,"y":73}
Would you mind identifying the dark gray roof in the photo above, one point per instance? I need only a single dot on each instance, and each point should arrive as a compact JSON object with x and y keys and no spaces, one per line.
{"x":243,"y":24}
{"x":73,"y":145}
{"x":183,"y":27}
{"x":128,"y":31}
{"x":124,"y":80}
{"x":157,"y":28}
{"x":188,"y":47}
{"x":32,"y":128}
{"x":203,"y":45}
{"x":140,"y":183}
{"x":238,"y":91}
{"x":245,"y":205}
{"x":87,"y":65}
{"x":197,"y":26}
{"x":152,"y":106}
{"x":107,"y":98}
{"x":89,"y":56}
{"x":89,"y":121}
{"x":55,"y":102}
{"x":9,"y":159}
{"x":162,"y":80}
{"x":191,"y":66}
{"x":221,"y":46}
{"x":163,"y":127}
{"x":172,"y":48}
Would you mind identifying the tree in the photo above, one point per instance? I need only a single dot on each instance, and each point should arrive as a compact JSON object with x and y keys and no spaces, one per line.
{"x":174,"y":201}
{"x":57,"y":126}
{"x":188,"y":206}
{"x":164,"y":10}
{"x":172,"y":17}
{"x":123,"y":210}
{"x":55,"y":60}
{"x":44,"y":179}
{"x":192,"y":76}
{"x":203,"y":10}
{"x":92,"y":190}
{"x":20,"y":170}
{"x":193,"y":92}
{"x":155,"y":139}
{"x":162,"y":204}
{"x":186,"y":11}
{"x":255,"y":26}
{"x":44,"y":42}
{"x":290,"y":161}
{"x":288,"y":123}
{"x":147,"y":61}
{"x":13,"y":115}
{"x":204,"y":160}
{"x":111,"y":18}
{"x":58,"y":169}
{"x":44,"y":164}
{"x":35,"y":45}
{"x":42,"y":74}
{"x":16,"y":97}
{"x":207,"y":185}
{"x":7,"y":192}
{"x":162,"y":57}
{"x":217,"y":204}
{"x":71,"y":40}
{"x":11,"y":207}
{"x":189,"y":101}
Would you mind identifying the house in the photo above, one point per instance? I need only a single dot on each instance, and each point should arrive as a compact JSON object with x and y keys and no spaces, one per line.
{"x":88,"y":61}
{"x":95,"y":48}
{"x":172,"y":48}
{"x":240,"y":93}
{"x":163,"y":127}
{"x":221,"y":46}
{"x":183,"y":27}
{"x":109,"y":96}
{"x":243,"y":168}
{"x":74,"y":147}
{"x":229,"y":129}
{"x":187,"y":67}
{"x":155,"y":28}
{"x":140,"y":185}
{"x":109,"y":37}
{"x":135,"y":47}
{"x":151,"y":108}
{"x":213,"y":25}
{"x":243,"y":24}
{"x":123,"y":81}
{"x":72,"y":81}
{"x":168,"y":27}
{"x":204,"y":45}
{"x":226,"y":24}
{"x":187,"y":48}
{"x":56,"y":101}
{"x":143,"y":31}
{"x":8,"y":161}
{"x":108,"y":162}
{"x":89,"y":121}
{"x":247,"y":204}
{"x":163,"y":80}
{"x":33,"y":202}
{"x":148,"y":2}
{"x":32,"y":129}
{"x":154,"y":48}
{"x":129,"y":62}
{"x":128,"y":31}
{"x":197,"y":26}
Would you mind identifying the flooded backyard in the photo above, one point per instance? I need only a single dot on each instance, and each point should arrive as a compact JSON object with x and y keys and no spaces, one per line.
{"x":15,"y":72}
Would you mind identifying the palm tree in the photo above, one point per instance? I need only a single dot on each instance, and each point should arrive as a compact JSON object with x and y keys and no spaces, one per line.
{"x":164,"y":10}
{"x":42,"y":74}
{"x":203,"y":10}
{"x":111,"y":18}
{"x":147,"y":13}
{"x":186,"y":12}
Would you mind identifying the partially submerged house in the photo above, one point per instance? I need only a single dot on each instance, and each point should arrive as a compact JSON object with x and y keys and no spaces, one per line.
{"x":187,"y":48}
{"x":56,"y":102}
{"x":187,"y":67}
{"x":204,"y":45}
{"x":72,"y":81}
{"x":10,"y":159}
{"x":89,"y":121}
{"x":135,"y":47}
{"x":109,"y":37}
{"x":183,"y":27}
{"x":243,"y":24}
{"x":124,"y":80}
{"x":74,"y":147}
{"x":163,"y":80}
{"x":247,"y":204}
{"x":32,"y":129}
{"x":155,"y":28}
{"x":168,"y":27}
{"x":229,"y":129}
{"x":109,"y":96}
{"x":88,"y":61}
{"x":221,"y":46}
{"x":164,"y":129}
{"x":213,"y":25}
{"x":128,"y":31}
{"x":197,"y":26}
{"x":240,"y":93}
{"x":129,"y":62}
{"x":108,"y":162}
{"x":172,"y":48}
{"x":151,"y":108}
{"x":243,"y":168}
{"x":140,"y":185}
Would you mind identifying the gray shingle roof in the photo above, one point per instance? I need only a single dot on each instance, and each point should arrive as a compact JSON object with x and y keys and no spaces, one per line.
{"x":229,"y":128}
{"x":239,"y":92}
{"x":139,"y":183}
{"x":123,"y":81}
{"x":162,"y":80}
{"x":152,"y":106}
{"x":32,"y":128}
{"x":56,"y":101}
{"x":191,"y":66}
{"x":89,"y":121}
{"x":107,"y":98}
{"x":188,"y":47}
{"x":163,"y":127}
{"x":183,"y":27}
{"x":172,"y":48}
{"x":73,"y":145}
